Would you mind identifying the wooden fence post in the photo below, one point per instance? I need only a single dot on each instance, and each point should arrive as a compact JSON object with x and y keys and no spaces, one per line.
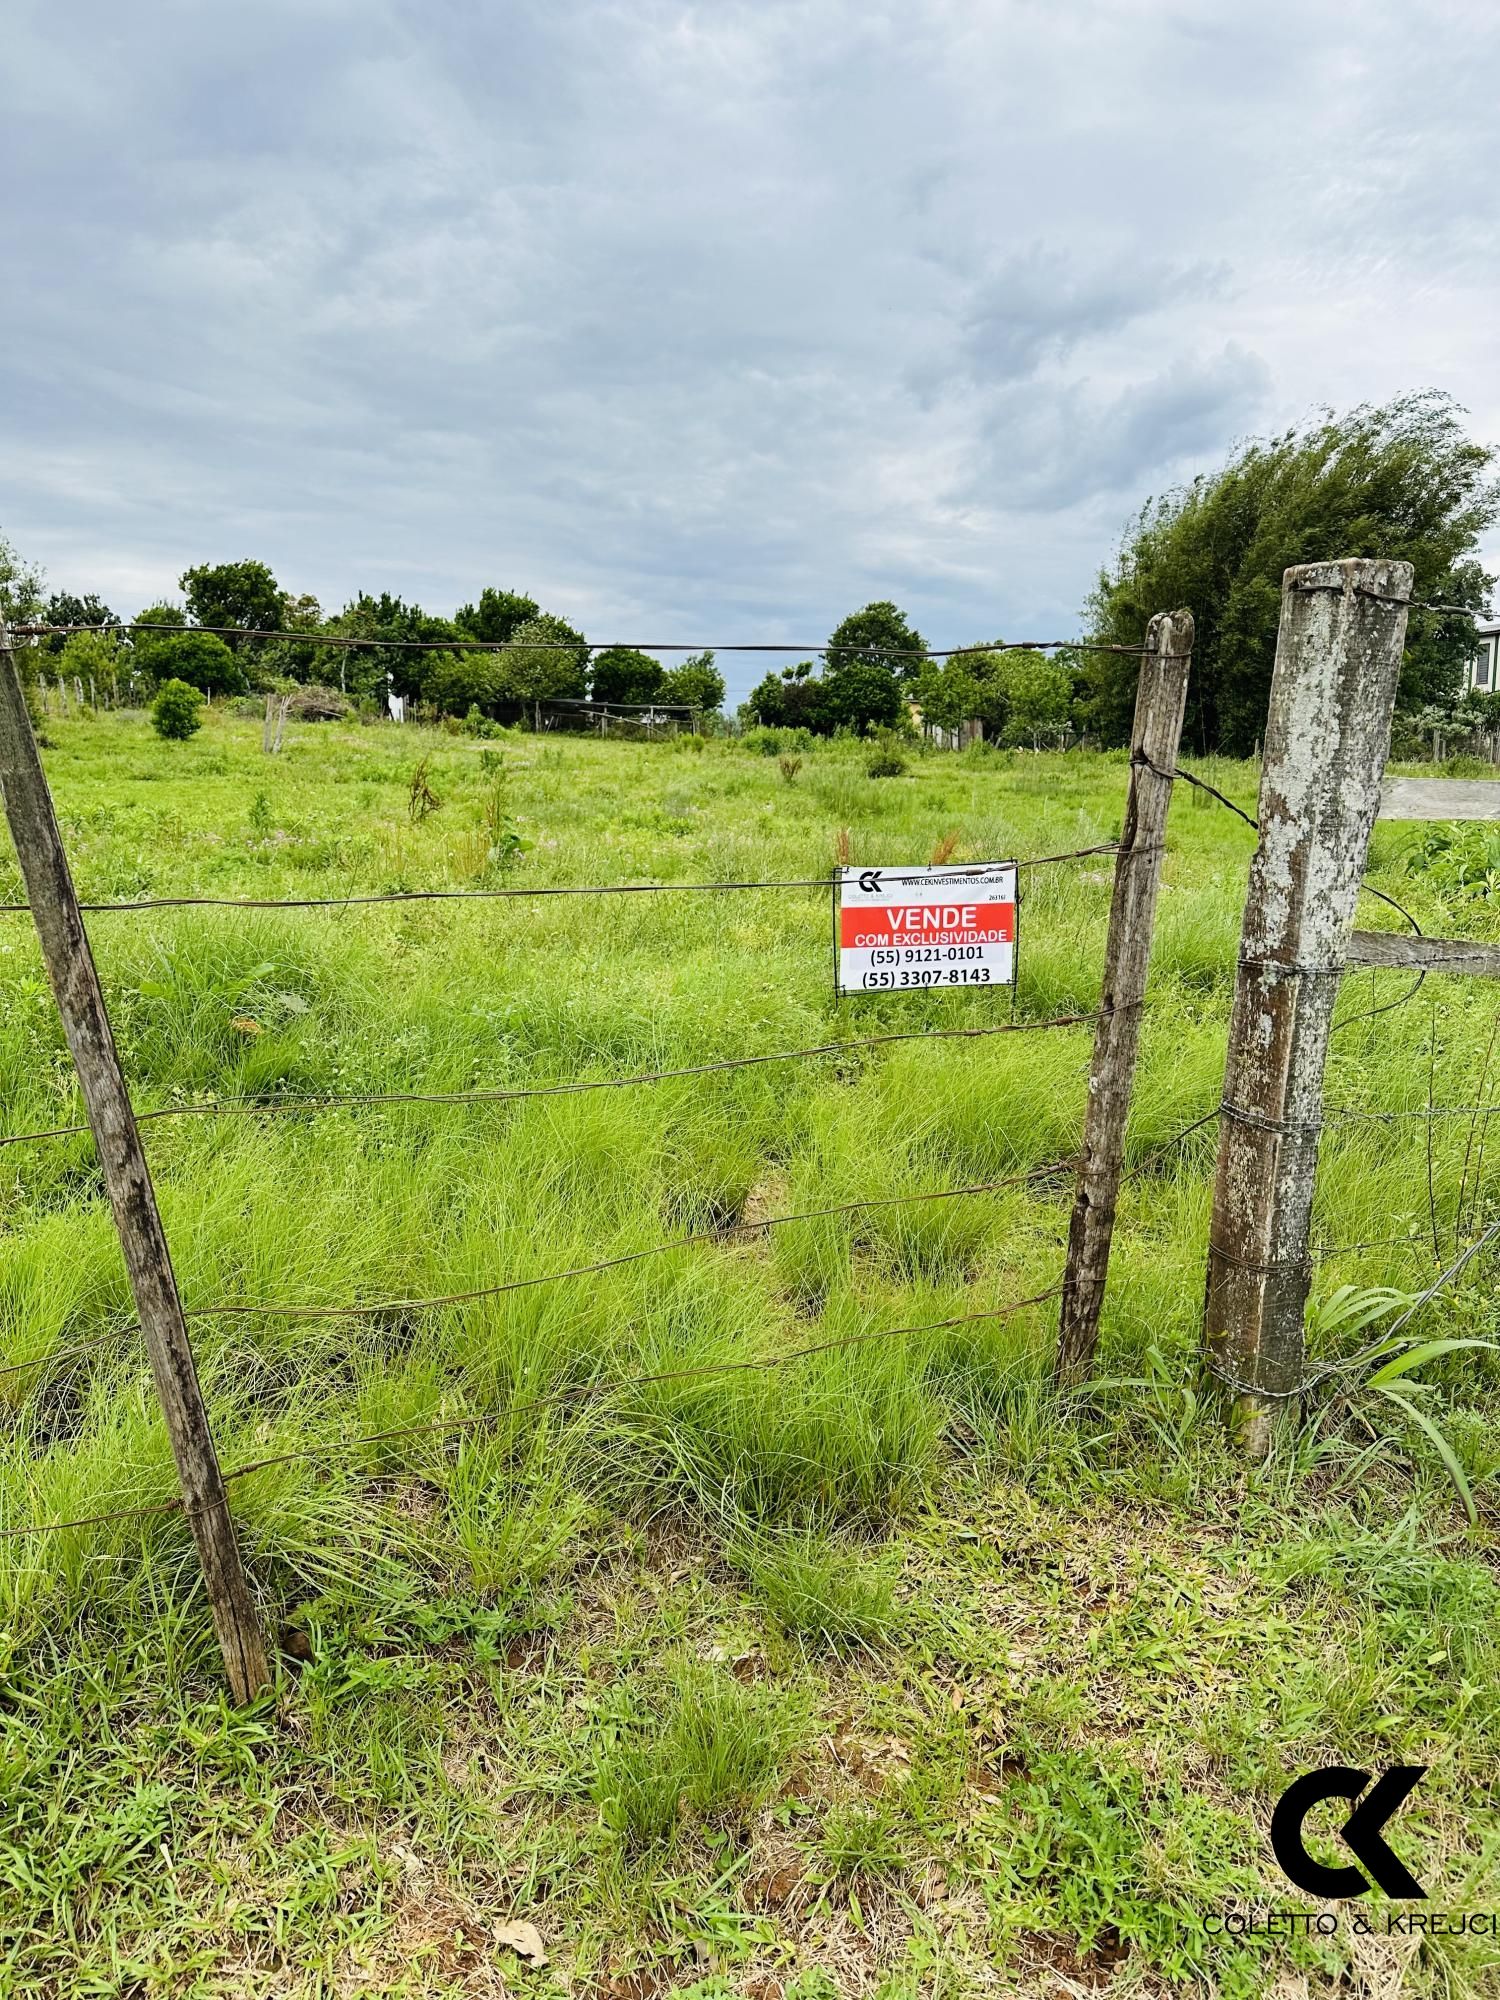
{"x":127,"y":1180}
{"x":1328,"y":728}
{"x":1161,"y":696}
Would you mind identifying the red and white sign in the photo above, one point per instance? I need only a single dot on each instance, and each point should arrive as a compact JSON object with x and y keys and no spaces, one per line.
{"x":901,"y":929}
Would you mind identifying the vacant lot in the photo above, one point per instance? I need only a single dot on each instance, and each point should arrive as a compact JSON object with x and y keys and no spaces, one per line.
{"x":876,"y":1672}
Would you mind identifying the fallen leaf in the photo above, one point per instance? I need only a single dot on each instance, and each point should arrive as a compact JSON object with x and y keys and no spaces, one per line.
{"x":525,"y":1940}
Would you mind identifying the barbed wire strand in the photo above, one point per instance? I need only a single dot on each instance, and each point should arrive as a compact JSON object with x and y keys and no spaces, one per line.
{"x":1321,"y":1253}
{"x":347,"y":642}
{"x":1350,"y":1114}
{"x":1388,"y":597}
{"x":571,"y":1392}
{"x":957,"y":871}
{"x":724,"y":1235}
{"x":311,"y":1106}
{"x":1366,"y":1014}
{"x":1199,"y":784}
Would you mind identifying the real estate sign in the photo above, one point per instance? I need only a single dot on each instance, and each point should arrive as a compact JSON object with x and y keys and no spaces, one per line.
{"x":900,"y":929}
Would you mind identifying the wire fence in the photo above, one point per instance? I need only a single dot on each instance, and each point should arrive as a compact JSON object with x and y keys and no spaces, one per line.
{"x":48,"y":1363}
{"x":265,"y":1105}
{"x":517,"y":892}
{"x":598,"y":1390}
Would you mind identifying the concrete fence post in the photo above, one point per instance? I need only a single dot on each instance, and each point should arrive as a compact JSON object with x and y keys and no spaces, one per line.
{"x":1338,"y":655}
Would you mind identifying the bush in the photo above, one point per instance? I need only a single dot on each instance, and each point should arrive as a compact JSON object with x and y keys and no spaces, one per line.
{"x":177,"y":712}
{"x":1460,"y":860}
{"x":776,"y":742}
{"x":886,"y":762}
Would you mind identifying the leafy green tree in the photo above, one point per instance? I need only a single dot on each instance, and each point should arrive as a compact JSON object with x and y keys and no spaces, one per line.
{"x":766,"y":703}
{"x":495,"y":617}
{"x":622,"y":674}
{"x":861,"y":695}
{"x":879,"y":636}
{"x":203,"y":661}
{"x":65,"y":609}
{"x":1038,"y":697}
{"x":177,"y":712}
{"x":545,"y":660}
{"x":21,"y":601}
{"x":233,"y":593}
{"x":793,"y":699}
{"x":697,"y":681}
{"x":967,"y":689}
{"x":1402,"y":480}
{"x":460,"y":681}
{"x":385,"y":625}
{"x":20,"y":587}
{"x":273,"y":661}
{"x":153,"y":631}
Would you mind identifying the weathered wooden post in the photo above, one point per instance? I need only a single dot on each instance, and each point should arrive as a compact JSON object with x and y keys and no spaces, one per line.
{"x":127,"y":1180}
{"x":1161,"y":696}
{"x":1338,"y":654}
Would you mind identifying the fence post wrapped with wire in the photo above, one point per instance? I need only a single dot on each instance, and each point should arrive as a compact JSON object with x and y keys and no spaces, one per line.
{"x":1161,"y":698}
{"x":1333,"y":691}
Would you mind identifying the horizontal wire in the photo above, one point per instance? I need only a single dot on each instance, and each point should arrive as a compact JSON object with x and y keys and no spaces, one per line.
{"x":705,"y":1371}
{"x":1200,"y":784}
{"x":573,"y":1392}
{"x":90,"y":1346}
{"x":1353,"y":1115}
{"x":713,"y":1235}
{"x":248,"y":1107}
{"x":353,"y":642}
{"x":1387,"y":597}
{"x":1322,"y":1254}
{"x":959,"y":869}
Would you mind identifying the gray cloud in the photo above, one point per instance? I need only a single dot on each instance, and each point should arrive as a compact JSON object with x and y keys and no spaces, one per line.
{"x":714,"y":320}
{"x":1055,"y":450}
{"x":1040,"y":305}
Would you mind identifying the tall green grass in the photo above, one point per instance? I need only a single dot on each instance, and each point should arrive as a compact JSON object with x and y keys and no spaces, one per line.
{"x":405,"y":1202}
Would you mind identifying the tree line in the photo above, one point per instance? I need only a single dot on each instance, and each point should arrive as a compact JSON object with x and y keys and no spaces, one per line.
{"x":209,"y":643}
{"x":1402,"y":480}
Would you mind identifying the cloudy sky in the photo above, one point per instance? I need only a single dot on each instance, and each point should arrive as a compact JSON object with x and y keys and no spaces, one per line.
{"x":712,"y":321}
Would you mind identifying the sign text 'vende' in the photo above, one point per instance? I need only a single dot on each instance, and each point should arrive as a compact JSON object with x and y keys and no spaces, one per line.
{"x":905,"y":929}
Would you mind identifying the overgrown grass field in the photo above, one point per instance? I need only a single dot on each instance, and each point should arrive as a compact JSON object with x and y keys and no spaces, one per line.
{"x":880,"y":1671}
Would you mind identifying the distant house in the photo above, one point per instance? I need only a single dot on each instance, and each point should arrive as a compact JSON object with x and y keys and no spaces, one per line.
{"x":1484,"y":666}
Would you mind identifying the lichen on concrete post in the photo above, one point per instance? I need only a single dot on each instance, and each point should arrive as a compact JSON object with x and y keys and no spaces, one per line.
{"x":1338,"y":655}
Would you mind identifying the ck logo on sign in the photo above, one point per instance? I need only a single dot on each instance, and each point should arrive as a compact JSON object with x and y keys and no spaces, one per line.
{"x":1362,"y":1833}
{"x":870,"y":881}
